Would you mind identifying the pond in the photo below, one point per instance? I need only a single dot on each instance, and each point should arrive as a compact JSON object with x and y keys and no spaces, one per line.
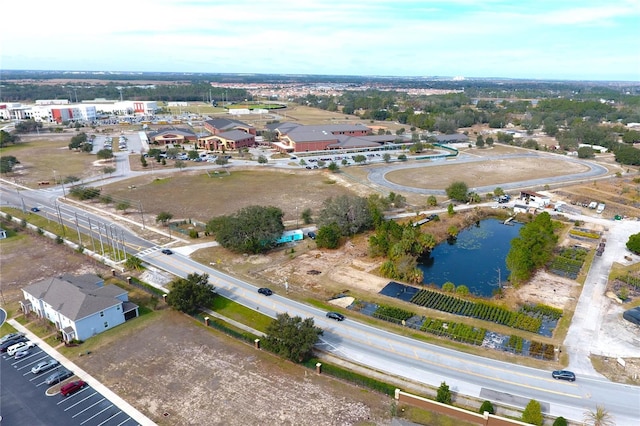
{"x":476,"y":258}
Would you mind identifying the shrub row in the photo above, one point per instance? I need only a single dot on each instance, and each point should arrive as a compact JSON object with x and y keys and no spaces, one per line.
{"x":393,"y":314}
{"x":584,"y":234}
{"x":455,"y":331}
{"x":542,"y":350}
{"x":353,"y":377}
{"x":515,"y":344}
{"x":481,"y":310}
{"x":542,"y":311}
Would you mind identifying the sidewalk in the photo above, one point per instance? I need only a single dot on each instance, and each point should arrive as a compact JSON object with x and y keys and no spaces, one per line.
{"x":94,"y":383}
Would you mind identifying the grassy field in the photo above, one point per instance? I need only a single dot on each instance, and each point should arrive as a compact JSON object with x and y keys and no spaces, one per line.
{"x":198,"y":196}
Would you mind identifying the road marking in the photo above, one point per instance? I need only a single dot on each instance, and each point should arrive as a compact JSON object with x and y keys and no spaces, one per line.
{"x":91,"y":406}
{"x":97,"y":414}
{"x":116,"y":414}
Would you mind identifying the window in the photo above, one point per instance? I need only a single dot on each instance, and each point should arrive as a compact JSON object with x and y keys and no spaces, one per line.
{"x":101,"y":313}
{"x":106,"y":324}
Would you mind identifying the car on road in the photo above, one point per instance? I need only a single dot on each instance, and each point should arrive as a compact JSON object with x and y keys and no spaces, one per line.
{"x":43,"y":366}
{"x":35,"y":209}
{"x":311,"y":235}
{"x":58,"y":376}
{"x":72,"y":387}
{"x":166,"y":251}
{"x":335,"y":316}
{"x":564,"y":375}
{"x":265,"y":291}
{"x":20,"y":346}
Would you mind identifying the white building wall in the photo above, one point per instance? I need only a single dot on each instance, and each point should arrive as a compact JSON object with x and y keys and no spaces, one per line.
{"x":99,"y":322}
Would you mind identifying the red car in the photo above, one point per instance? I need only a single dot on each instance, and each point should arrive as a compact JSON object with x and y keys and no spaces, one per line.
{"x":72,"y":387}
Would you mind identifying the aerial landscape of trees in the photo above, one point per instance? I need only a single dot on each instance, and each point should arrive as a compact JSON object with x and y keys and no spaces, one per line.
{"x":532,"y":249}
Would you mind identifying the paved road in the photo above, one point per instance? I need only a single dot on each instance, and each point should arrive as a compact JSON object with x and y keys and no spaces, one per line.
{"x":423,"y":362}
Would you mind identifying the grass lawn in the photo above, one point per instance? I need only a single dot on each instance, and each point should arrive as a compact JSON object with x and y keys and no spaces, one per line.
{"x":240,"y":313}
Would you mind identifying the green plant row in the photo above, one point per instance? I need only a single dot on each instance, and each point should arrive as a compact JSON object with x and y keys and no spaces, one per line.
{"x":481,"y":310}
{"x":631,"y":280}
{"x":584,"y":234}
{"x":515,"y":343}
{"x":455,"y":331}
{"x":542,"y":310}
{"x":385,"y":312}
{"x":542,"y":350}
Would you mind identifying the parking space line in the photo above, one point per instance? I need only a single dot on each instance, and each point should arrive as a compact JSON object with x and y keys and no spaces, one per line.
{"x":78,"y":402}
{"x":92,"y":405}
{"x":120,"y":424}
{"x":97,"y":414}
{"x":116,"y":414}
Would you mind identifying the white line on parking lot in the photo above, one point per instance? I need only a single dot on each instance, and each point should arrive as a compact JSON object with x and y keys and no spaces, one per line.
{"x":92,"y":405}
{"x":97,"y":414}
{"x":120,"y":424}
{"x":78,"y":402}
{"x":116,"y":414}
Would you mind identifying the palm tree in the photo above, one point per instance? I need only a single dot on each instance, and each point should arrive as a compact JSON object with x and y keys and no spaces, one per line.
{"x":599,"y":417}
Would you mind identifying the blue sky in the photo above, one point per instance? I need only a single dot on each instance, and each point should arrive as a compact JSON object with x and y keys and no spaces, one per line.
{"x":540,"y":39}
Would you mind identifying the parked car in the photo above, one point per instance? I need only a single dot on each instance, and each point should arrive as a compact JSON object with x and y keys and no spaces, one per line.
{"x":564,"y":375}
{"x":21,"y":354}
{"x":11,"y":350}
{"x":166,"y":251}
{"x":72,"y":387}
{"x":10,"y":336}
{"x":265,"y":291}
{"x":335,"y":316}
{"x":43,"y":366}
{"x":311,"y":235}
{"x":58,"y":376}
{"x":7,"y":344}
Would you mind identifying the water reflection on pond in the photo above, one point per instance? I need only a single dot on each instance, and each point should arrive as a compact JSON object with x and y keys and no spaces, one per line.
{"x":474,"y":258}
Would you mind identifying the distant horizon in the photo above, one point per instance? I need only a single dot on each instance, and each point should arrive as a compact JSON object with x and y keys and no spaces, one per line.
{"x":557,"y":40}
{"x":380,"y":76}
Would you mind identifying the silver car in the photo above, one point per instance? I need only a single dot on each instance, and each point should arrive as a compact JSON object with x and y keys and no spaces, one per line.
{"x":44,"y":366}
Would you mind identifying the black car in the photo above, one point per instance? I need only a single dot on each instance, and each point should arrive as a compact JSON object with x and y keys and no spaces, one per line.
{"x":166,"y":251}
{"x":564,"y":375}
{"x":265,"y":291}
{"x":35,"y":209}
{"x":335,"y":316}
{"x":58,"y":376}
{"x":311,"y":235}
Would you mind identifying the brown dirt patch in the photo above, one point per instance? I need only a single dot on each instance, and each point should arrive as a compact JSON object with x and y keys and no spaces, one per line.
{"x":199,"y":377}
{"x":484,"y":173}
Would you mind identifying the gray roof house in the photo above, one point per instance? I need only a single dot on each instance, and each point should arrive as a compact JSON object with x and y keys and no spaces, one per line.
{"x":79,"y":306}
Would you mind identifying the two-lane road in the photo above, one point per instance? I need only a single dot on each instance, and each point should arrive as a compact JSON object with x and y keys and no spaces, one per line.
{"x":426,"y":363}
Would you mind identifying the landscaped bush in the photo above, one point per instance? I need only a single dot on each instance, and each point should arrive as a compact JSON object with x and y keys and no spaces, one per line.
{"x":353,"y":377}
{"x":393,"y":314}
{"x":455,"y":331}
{"x":515,"y":344}
{"x":584,"y":234}
{"x":542,"y":310}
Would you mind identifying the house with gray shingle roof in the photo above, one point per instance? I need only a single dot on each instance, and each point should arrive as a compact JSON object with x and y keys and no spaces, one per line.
{"x":80,"y":306}
{"x":220,"y":125}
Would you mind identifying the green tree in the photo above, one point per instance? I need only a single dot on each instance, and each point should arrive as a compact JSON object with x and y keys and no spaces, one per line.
{"x":416,"y":148}
{"x":7,"y":138}
{"x":108,"y":170}
{"x":402,"y":157}
{"x":351,"y":213}
{"x":586,"y":152}
{"x":7,"y":162}
{"x":328,"y":236}
{"x":532,"y":413}
{"x":359,"y":158}
{"x":444,"y":394}
{"x":306,"y":216}
{"x":498,"y":191}
{"x":633,"y":244}
{"x":104,"y":154}
{"x":532,"y":249}
{"x":560,"y":421}
{"x":450,"y":210}
{"x":164,"y":217}
{"x":192,"y":155}
{"x":598,"y":417}
{"x":488,"y":407}
{"x":490,"y":141}
{"x":449,"y":287}
{"x":221,"y":160}
{"x":123,"y":205}
{"x":432,"y":201}
{"x":262,"y":159}
{"x":292,"y":337}
{"x":143,"y":161}
{"x":333,"y":166}
{"x":480,"y":141}
{"x":386,"y":157}
{"x":190,"y":294}
{"x":133,"y":263}
{"x":627,"y":154}
{"x":453,"y":231}
{"x":253,"y":229}
{"x":458,"y":191}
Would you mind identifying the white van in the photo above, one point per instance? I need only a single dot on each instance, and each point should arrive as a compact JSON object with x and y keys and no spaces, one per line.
{"x":11,"y":350}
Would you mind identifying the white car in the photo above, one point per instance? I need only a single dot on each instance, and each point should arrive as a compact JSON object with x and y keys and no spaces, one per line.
{"x":44,"y":366}
{"x":11,"y":351}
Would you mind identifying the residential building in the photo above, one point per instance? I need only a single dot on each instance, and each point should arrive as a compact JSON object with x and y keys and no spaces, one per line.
{"x":172,"y":136}
{"x":79,"y":306}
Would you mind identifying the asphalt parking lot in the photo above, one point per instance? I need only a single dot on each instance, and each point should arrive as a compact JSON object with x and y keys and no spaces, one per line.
{"x":24,"y":399}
